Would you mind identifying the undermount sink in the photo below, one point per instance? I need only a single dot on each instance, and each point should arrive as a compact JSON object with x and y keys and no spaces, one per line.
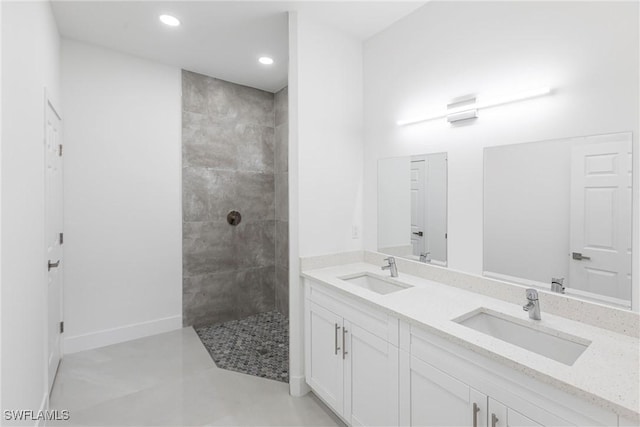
{"x":561,"y":347}
{"x":377,"y":284}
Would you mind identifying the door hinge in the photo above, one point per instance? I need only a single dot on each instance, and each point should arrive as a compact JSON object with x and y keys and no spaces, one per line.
{"x":445,"y":235}
{"x":61,"y":327}
{"x":61,"y":238}
{"x":60,"y":150}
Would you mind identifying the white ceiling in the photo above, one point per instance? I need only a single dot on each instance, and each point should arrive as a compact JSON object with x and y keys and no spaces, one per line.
{"x":222,"y":39}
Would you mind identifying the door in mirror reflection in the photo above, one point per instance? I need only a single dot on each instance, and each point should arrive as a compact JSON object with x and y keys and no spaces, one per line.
{"x":561,"y":210}
{"x":412,"y":207}
{"x":600,"y":240}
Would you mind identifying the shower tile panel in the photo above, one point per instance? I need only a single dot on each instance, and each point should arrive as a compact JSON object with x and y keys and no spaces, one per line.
{"x":282,"y":107}
{"x":282,"y":196}
{"x":195,"y":88}
{"x":209,"y":195}
{"x":282,"y":148}
{"x":222,"y":99}
{"x":282,"y":290}
{"x":255,"y":148}
{"x":211,"y":247}
{"x":255,"y":195}
{"x":220,"y":297}
{"x":282,"y":244}
{"x":208,"y":247}
{"x":255,"y":244}
{"x":212,"y":144}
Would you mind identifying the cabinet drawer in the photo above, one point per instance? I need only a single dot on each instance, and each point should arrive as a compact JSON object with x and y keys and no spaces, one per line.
{"x":374,"y":321}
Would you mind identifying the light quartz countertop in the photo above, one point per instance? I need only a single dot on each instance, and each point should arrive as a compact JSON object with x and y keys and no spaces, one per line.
{"x":606,"y":374}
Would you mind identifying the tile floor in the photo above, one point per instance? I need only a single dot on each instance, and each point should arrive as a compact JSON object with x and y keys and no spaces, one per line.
{"x":257,"y":345}
{"x":170,"y":380}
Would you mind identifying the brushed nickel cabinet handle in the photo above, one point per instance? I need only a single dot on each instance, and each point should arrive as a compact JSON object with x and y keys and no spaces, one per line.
{"x":476,"y":409}
{"x":494,"y":420}
{"x":344,"y":347}
{"x":336,"y":339}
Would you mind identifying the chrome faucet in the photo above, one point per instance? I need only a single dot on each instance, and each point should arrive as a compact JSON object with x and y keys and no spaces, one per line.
{"x":533,"y":306}
{"x":392,"y":267}
{"x":424,"y":257}
{"x":557,"y":286}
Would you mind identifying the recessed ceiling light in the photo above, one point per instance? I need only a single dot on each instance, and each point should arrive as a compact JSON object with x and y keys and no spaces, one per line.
{"x":169,"y":20}
{"x":265,"y":60}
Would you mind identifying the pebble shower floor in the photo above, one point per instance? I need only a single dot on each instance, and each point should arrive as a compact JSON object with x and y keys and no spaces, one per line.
{"x":257,"y":345}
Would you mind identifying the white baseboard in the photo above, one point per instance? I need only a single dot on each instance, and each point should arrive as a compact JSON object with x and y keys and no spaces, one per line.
{"x":298,"y":387}
{"x":106,"y":337}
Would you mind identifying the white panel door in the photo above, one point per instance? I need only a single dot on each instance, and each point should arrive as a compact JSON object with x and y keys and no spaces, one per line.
{"x":436,"y":208}
{"x":53,"y":230}
{"x":371,"y":379}
{"x":601,"y":218}
{"x":437,"y":399}
{"x":324,"y":355}
{"x":418,"y":212}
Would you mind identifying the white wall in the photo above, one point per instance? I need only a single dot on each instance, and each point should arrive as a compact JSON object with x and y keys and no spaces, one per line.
{"x":30,"y":63}
{"x":330,"y":148}
{"x":586,"y":51}
{"x":325,"y":157}
{"x":123,"y":210}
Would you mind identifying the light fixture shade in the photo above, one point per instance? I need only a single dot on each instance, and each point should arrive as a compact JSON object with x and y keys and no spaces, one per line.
{"x":462,"y":104}
{"x":462,"y":115}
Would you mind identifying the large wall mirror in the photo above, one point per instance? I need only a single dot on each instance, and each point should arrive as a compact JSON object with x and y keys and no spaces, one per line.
{"x":412,"y":207}
{"x":561,"y":211}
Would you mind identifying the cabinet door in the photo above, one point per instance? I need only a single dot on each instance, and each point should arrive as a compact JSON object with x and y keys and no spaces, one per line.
{"x":371,"y":379}
{"x":324,"y":355}
{"x":437,"y":399}
{"x":503,"y":416}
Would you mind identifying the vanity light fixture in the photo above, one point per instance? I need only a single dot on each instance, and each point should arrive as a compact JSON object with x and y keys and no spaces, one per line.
{"x":265,"y":60}
{"x":169,"y":20}
{"x":462,"y":109}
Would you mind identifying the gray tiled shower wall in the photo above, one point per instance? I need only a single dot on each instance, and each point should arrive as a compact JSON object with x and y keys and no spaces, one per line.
{"x":282,"y":200}
{"x":229,"y":158}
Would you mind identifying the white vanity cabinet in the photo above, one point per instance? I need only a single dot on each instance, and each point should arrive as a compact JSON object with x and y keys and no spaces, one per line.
{"x":444,"y":384}
{"x":350,"y":363}
{"x":373,"y":369}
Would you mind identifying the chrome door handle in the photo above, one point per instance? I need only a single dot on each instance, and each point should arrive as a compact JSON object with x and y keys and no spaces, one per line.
{"x":476,"y":409}
{"x":336,"y":339}
{"x":578,"y":256}
{"x":494,"y":420}
{"x":51,"y":265}
{"x":419,"y":233}
{"x":344,"y":347}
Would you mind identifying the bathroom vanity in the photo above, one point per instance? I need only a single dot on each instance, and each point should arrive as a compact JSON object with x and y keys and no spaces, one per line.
{"x":413,"y":351}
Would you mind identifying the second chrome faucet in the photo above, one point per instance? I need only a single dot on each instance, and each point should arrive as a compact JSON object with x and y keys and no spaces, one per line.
{"x":533,"y":304}
{"x":391,"y":266}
